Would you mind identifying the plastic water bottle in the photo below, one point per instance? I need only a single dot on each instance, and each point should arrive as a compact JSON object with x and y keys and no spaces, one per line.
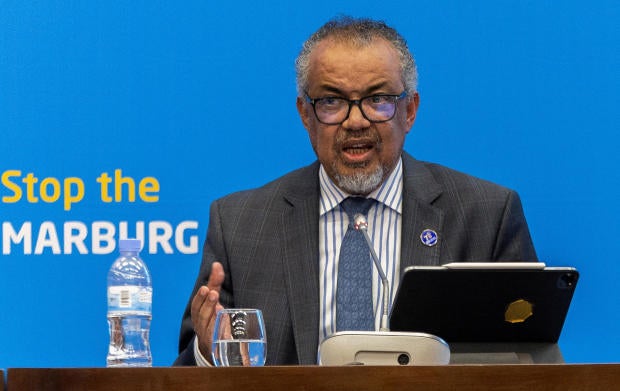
{"x":130,"y":295}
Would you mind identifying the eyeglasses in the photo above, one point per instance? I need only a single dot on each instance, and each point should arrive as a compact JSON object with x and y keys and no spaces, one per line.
{"x":375,"y":108}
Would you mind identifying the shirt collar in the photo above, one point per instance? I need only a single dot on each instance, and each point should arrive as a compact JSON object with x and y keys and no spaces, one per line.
{"x":389,"y":193}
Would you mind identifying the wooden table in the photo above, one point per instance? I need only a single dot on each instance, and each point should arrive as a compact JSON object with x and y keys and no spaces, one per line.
{"x":452,"y":377}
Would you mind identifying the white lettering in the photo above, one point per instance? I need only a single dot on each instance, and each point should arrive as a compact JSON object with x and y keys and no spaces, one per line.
{"x":10,"y":236}
{"x":76,"y":240}
{"x":162,"y":239}
{"x":123,"y":231}
{"x":47,"y":238}
{"x":157,"y":237}
{"x":103,"y":232}
{"x":179,"y":235}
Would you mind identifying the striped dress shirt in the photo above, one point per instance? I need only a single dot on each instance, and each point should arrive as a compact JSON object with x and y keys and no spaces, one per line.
{"x":384,"y":227}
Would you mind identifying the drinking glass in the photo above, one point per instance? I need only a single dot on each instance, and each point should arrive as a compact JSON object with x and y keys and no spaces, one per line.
{"x":239,"y":338}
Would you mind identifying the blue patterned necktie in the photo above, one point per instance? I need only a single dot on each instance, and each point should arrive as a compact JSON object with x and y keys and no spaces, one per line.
{"x":354,"y":292}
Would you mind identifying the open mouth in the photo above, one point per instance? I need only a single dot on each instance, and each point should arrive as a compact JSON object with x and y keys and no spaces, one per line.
{"x":357,"y":150}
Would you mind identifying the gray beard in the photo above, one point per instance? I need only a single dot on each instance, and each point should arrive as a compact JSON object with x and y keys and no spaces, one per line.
{"x":359,"y":183}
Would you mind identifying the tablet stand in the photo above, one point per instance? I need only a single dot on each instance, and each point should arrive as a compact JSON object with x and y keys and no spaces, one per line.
{"x":505,"y":353}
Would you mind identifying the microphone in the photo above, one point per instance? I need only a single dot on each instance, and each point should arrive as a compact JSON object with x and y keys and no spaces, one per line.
{"x":360,"y":224}
{"x":382,"y":347}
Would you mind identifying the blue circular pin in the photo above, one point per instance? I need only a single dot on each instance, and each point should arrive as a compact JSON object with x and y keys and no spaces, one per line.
{"x":429,"y":237}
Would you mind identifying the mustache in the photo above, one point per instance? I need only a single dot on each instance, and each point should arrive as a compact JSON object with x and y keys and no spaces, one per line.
{"x":365,"y":135}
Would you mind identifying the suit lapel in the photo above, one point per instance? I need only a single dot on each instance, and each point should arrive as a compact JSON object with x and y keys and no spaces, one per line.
{"x":419,"y":191}
{"x":300,"y":233}
{"x":300,"y":244}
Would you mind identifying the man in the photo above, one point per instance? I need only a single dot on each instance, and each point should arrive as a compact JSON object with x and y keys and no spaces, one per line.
{"x":276,"y":248}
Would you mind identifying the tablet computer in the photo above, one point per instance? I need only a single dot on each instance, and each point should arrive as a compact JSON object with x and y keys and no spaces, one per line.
{"x":485,"y":302}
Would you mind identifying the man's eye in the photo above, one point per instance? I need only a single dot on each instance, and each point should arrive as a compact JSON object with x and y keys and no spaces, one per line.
{"x":330,"y":102}
{"x":379,"y":99}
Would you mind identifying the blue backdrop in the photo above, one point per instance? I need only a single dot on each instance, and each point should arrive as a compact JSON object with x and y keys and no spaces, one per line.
{"x":132,"y":116}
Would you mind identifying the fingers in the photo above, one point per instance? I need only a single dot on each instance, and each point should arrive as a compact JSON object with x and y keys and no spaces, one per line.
{"x":204,"y":307}
{"x":216,"y":278}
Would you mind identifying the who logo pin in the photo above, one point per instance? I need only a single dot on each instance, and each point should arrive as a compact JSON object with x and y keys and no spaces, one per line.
{"x":429,"y":237}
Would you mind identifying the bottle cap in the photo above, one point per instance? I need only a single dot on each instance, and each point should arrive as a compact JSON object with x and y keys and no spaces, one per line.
{"x":129,"y":245}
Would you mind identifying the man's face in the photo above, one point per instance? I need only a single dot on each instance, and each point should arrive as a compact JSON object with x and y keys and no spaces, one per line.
{"x":357,"y":154}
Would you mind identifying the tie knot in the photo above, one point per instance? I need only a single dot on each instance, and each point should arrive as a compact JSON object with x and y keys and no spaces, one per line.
{"x":355,"y":205}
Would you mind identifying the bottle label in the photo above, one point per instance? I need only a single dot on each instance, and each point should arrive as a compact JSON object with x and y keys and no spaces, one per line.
{"x":130,"y":298}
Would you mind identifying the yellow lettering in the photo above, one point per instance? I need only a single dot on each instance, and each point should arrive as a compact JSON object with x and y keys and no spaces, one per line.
{"x":45,"y":196}
{"x":149,"y":185}
{"x":49,"y":189}
{"x":30,"y":180}
{"x":70,"y":197}
{"x":104,"y":179}
{"x":119,"y":181}
{"x":6,"y":182}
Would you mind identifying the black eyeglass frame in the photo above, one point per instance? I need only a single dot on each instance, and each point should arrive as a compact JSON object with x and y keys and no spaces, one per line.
{"x":358,"y":103}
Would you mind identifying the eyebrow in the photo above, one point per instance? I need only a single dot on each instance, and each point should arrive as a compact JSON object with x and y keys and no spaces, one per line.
{"x":367,"y":91}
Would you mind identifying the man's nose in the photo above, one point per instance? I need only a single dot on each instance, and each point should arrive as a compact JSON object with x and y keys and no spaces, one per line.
{"x":356,"y":119}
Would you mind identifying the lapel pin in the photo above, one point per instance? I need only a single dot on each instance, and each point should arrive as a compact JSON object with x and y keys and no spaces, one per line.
{"x":429,"y":237}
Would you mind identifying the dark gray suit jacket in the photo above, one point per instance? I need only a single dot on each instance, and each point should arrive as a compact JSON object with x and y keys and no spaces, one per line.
{"x":267,"y":240}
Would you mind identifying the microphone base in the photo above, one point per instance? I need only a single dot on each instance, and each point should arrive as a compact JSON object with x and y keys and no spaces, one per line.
{"x":383,"y":348}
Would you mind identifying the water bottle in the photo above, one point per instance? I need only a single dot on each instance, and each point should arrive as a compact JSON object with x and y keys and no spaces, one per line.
{"x":129,"y":308}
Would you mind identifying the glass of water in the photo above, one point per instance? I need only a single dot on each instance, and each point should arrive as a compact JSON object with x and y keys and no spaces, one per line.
{"x":239,"y":338}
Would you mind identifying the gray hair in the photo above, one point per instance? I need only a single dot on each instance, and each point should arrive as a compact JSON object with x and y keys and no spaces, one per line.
{"x":360,"y":32}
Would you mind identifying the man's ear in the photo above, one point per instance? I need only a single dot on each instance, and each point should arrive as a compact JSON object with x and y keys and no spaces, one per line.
{"x":304,"y":112}
{"x":412,"y":108}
